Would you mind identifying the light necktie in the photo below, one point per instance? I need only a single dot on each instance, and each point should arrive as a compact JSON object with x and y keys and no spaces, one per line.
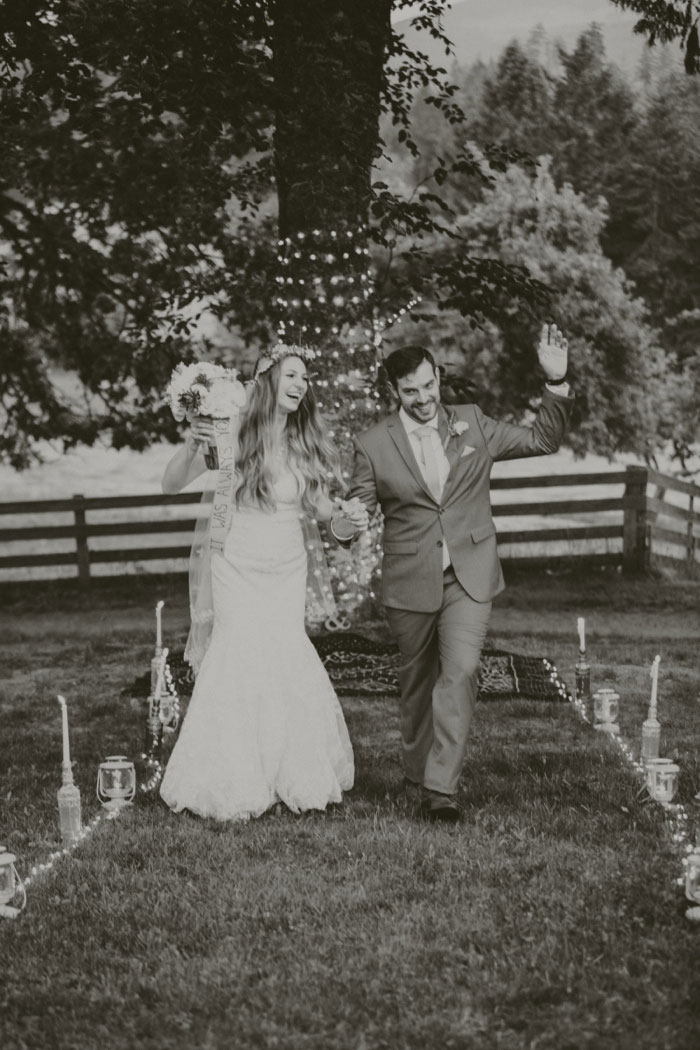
{"x":429,"y":463}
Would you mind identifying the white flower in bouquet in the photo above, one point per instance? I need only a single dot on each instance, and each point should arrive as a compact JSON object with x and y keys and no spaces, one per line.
{"x":205,"y":389}
{"x":224,"y":398}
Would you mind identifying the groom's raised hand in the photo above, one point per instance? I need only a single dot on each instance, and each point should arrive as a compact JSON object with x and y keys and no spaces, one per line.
{"x":553,"y":352}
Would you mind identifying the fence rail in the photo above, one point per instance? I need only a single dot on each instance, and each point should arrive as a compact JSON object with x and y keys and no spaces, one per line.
{"x":636,"y":526}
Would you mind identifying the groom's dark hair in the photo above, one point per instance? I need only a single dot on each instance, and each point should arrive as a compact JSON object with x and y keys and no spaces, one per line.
{"x":402,"y":362}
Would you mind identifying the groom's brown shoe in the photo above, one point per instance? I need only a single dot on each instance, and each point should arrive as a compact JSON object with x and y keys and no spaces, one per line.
{"x":440,"y":807}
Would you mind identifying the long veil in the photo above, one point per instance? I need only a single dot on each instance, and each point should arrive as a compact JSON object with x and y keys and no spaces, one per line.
{"x":201,"y":600}
{"x":210,"y":531}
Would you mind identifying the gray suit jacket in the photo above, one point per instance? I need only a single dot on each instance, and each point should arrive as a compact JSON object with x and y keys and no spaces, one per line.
{"x":416,"y":526}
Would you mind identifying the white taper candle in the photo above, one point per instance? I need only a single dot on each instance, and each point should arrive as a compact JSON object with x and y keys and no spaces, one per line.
{"x":654,"y":673}
{"x":581,"y":624}
{"x":159,"y":630}
{"x":66,"y":743}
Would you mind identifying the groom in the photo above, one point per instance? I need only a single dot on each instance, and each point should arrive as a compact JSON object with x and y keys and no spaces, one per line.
{"x":428,"y":469}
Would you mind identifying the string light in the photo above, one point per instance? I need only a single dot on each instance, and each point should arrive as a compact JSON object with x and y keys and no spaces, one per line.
{"x":326,"y":285}
{"x":41,"y":869}
{"x":675,"y":813}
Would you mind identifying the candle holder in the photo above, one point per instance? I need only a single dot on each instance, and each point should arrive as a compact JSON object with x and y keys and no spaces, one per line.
{"x":69,"y":810}
{"x":157,"y":655}
{"x":662,"y":779}
{"x":651,"y":728}
{"x":583,"y":677}
{"x":582,"y":668}
{"x":606,"y":707}
{"x":651,"y":740}
{"x":116,"y":782}
{"x":155,"y":724}
{"x":11,"y":887}
{"x":155,"y":667}
{"x":692,"y":876}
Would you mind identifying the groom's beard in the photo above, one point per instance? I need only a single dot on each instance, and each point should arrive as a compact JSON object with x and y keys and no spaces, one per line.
{"x":423,"y":413}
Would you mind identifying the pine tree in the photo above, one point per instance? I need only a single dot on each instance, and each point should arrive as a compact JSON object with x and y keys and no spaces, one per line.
{"x":625,"y":393}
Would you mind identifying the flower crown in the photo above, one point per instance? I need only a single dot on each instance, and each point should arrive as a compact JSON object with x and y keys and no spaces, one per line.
{"x":281,"y":350}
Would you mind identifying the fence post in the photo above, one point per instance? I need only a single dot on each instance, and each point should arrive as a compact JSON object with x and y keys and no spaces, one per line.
{"x":635,"y":538}
{"x":690,"y":535}
{"x":81,"y":545}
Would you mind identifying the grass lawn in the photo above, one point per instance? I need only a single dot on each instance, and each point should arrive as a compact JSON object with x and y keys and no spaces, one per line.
{"x":549,"y":918}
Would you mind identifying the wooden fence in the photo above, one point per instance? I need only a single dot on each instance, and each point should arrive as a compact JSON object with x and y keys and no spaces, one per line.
{"x":636,"y":524}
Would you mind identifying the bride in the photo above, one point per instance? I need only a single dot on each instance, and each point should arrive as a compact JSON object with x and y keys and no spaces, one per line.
{"x":264,"y":724}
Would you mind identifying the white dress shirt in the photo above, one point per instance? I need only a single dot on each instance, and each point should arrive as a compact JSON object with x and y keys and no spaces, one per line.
{"x":443,"y":464}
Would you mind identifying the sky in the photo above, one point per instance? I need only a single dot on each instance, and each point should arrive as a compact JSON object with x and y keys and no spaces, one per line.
{"x":480,"y":29}
{"x":547,"y":11}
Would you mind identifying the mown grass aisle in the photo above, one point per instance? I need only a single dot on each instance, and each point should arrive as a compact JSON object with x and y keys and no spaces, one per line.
{"x":548,"y":918}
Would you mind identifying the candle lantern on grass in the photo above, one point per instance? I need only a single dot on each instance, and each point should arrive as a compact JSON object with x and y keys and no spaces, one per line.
{"x":68,"y":794}
{"x":11,"y":886}
{"x":606,"y":707}
{"x":582,"y":668}
{"x":662,"y":779}
{"x":154,"y":727}
{"x":651,"y":729}
{"x":116,"y":782}
{"x":155,"y":661}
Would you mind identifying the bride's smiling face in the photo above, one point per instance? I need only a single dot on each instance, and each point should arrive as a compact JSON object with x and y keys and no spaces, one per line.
{"x":293,"y":384}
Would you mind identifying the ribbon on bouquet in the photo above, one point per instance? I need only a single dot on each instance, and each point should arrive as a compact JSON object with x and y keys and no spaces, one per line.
{"x":225,"y":432}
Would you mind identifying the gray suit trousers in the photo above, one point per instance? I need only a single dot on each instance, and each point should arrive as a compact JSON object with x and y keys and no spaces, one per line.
{"x":438,"y":676}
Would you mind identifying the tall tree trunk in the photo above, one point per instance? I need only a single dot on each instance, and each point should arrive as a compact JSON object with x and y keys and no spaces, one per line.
{"x":328,"y":59}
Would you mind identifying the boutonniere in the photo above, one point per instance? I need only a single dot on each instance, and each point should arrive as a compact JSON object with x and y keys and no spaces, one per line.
{"x":455,"y":427}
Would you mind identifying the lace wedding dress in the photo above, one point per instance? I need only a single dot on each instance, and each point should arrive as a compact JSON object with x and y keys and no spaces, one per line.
{"x":264,"y":724}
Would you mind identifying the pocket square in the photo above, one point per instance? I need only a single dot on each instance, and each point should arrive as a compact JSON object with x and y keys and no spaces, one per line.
{"x":467,"y":451}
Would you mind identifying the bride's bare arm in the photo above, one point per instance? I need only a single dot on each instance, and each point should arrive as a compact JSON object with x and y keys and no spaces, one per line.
{"x":186,"y":465}
{"x":326,"y":508}
{"x":188,"y":462}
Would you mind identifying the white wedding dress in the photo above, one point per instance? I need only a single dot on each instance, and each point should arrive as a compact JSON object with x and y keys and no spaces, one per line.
{"x":264,"y":724}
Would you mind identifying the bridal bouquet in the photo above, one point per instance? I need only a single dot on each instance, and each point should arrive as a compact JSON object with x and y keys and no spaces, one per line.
{"x":206,"y":390}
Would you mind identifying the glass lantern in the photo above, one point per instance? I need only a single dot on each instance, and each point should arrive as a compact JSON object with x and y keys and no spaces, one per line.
{"x":606,"y":707}
{"x":11,"y":886}
{"x":116,"y":782}
{"x":662,"y":779}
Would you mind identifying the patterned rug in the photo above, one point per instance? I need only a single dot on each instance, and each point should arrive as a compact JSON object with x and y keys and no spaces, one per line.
{"x":359,"y":666}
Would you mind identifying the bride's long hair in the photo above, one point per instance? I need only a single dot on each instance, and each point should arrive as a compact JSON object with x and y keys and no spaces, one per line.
{"x":313,"y":458}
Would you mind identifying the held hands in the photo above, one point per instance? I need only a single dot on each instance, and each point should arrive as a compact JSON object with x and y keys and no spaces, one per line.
{"x":355,"y":511}
{"x":553,"y":352}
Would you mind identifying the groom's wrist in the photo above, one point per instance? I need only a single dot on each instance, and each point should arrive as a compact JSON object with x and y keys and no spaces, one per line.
{"x":557,"y":389}
{"x":342,"y":535}
{"x":556,"y":382}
